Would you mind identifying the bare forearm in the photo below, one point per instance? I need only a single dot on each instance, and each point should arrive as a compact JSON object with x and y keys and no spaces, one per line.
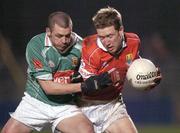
{"x":53,"y":88}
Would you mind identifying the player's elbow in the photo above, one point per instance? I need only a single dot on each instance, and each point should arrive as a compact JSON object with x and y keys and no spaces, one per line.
{"x":47,"y":91}
{"x":46,"y":86}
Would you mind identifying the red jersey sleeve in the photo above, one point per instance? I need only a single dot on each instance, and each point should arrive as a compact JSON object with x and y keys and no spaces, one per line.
{"x":90,"y":61}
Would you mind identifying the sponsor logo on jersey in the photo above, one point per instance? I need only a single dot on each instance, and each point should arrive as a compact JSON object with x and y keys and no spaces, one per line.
{"x":74,"y":61}
{"x":63,"y":77}
{"x":129,"y":58}
{"x":37,"y":64}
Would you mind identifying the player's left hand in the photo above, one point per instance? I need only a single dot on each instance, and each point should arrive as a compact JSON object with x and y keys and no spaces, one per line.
{"x":156,"y":81}
{"x":95,"y":83}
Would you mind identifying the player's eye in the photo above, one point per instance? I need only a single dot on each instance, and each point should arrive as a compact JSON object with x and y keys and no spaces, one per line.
{"x":101,"y":37}
{"x":68,"y":35}
{"x":59,"y":36}
{"x":111,"y":36}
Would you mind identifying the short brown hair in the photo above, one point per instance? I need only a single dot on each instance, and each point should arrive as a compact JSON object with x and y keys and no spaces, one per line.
{"x":107,"y":17}
{"x":60,"y":18}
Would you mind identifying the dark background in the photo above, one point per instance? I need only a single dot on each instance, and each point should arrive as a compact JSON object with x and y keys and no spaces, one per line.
{"x":157,"y":22}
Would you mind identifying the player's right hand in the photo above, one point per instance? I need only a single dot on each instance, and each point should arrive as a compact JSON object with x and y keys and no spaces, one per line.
{"x":156,"y":81}
{"x":95,"y":83}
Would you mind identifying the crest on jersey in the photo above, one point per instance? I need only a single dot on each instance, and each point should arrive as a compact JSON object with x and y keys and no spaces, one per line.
{"x":129,"y":58}
{"x":51,"y":63}
{"x":74,"y":61}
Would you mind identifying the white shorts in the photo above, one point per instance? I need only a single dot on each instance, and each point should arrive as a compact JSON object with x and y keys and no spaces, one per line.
{"x":38,"y":115}
{"x":103,"y":115}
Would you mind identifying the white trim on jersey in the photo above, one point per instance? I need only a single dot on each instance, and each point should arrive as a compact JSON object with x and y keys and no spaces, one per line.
{"x":100,"y":45}
{"x":47,"y":41}
{"x":45,"y":77}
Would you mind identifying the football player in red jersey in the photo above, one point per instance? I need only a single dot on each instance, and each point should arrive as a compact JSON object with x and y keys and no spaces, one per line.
{"x":110,"y":50}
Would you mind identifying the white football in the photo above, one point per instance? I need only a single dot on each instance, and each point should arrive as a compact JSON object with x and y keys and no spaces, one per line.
{"x":141,"y":73}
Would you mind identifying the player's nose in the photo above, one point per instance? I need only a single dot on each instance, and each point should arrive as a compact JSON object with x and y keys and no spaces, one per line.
{"x":107,"y":42}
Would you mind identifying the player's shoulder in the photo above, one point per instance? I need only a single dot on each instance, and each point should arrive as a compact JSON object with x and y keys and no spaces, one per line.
{"x":77,"y":41}
{"x":90,"y":39}
{"x":132,"y":36}
{"x":132,"y":39}
{"x":40,"y":38}
{"x":91,"y":52}
{"x":90,"y":42}
{"x":36,"y":42}
{"x":90,"y":45}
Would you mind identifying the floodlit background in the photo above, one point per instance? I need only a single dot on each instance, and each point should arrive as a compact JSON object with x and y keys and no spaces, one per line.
{"x":157,"y":22}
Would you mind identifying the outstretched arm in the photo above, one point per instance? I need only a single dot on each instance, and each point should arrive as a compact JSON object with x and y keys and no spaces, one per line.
{"x":90,"y":85}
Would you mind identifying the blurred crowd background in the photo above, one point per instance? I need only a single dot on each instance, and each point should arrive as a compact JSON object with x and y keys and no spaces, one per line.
{"x":157,"y":22}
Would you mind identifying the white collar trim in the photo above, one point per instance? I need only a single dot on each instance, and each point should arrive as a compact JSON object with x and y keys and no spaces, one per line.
{"x":100,"y":45}
{"x":47,"y":41}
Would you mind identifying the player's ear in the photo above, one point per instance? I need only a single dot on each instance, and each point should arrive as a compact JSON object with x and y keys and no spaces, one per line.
{"x":48,"y":31}
{"x":121,"y":30}
{"x":121,"y":27}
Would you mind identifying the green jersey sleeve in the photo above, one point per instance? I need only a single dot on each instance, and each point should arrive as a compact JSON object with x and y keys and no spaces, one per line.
{"x":37,"y":64}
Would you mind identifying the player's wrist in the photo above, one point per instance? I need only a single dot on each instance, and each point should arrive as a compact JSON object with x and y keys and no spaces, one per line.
{"x":95,"y":83}
{"x":84,"y":89}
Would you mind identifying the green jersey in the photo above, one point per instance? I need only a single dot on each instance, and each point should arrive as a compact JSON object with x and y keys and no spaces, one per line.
{"x":45,"y":62}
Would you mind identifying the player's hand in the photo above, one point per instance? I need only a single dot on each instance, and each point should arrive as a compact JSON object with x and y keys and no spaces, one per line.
{"x":76,"y":77}
{"x":156,"y":81}
{"x":95,"y":83}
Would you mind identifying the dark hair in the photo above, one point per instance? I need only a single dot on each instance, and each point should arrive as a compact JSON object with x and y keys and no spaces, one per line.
{"x":60,"y":18}
{"x":107,"y":17}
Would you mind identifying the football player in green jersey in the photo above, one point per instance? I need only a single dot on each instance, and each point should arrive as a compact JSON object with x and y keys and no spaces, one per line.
{"x":53,"y":57}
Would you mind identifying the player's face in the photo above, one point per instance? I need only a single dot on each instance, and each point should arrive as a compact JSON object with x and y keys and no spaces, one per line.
{"x":60,"y":37}
{"x":110,"y":38}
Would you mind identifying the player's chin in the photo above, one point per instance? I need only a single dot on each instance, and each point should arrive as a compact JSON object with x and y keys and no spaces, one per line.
{"x":62,"y":50}
{"x":112,"y":51}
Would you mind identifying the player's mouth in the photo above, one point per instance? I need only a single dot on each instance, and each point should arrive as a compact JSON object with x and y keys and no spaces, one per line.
{"x":110,"y":49}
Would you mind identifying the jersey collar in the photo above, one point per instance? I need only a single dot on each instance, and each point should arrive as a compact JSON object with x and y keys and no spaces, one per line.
{"x":47,"y":41}
{"x":100,"y":45}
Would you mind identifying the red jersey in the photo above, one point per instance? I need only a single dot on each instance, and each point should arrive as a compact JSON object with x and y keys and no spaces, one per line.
{"x":96,"y":60}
